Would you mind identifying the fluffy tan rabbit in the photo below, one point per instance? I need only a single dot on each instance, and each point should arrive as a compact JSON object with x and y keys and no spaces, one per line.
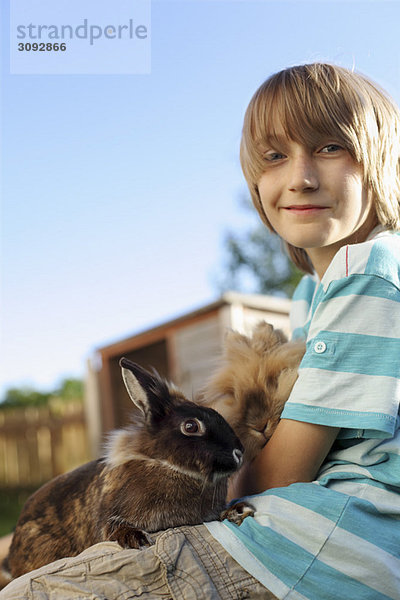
{"x":252,"y":383}
{"x":170,"y":468}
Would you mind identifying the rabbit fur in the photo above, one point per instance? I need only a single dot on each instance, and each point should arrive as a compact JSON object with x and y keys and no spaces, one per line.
{"x":252,"y":383}
{"x":169,"y":468}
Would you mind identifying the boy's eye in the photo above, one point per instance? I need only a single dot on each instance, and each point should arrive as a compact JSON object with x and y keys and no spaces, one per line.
{"x":273,"y":156}
{"x":330,"y":148}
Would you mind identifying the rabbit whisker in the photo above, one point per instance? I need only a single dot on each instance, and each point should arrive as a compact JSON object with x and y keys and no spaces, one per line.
{"x":203,"y":487}
{"x":213,"y":498}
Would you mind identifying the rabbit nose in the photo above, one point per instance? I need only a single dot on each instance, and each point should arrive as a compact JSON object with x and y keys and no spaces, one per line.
{"x":238,"y":456}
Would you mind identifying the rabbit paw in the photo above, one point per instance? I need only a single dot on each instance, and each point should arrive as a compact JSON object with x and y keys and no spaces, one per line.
{"x":236,"y":513}
{"x":128,"y":536}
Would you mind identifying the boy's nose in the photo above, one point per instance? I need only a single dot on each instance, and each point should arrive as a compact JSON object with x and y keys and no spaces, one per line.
{"x":303,"y":176}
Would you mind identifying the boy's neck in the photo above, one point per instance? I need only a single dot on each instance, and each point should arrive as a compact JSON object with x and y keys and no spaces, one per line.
{"x":321,"y":258}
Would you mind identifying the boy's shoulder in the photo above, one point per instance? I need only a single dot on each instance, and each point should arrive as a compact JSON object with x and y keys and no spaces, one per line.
{"x":378,"y":256}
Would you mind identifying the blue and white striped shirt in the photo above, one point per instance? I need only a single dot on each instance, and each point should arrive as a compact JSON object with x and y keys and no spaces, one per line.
{"x":339,"y":536}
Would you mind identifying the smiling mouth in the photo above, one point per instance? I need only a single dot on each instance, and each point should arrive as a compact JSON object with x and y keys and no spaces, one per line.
{"x":305,"y":209}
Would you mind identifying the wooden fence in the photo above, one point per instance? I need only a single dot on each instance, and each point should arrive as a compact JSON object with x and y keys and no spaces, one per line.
{"x":37,"y":444}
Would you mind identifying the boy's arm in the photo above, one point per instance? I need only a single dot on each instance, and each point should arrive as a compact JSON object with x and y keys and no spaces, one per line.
{"x":294,"y":454}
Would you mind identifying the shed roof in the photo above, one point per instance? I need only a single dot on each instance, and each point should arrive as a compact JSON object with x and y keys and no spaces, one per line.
{"x":263,"y":302}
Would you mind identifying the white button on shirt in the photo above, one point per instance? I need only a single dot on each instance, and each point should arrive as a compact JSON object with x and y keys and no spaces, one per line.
{"x":320,"y":347}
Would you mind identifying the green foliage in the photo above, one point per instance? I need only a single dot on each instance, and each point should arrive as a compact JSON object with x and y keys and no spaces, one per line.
{"x":17,"y":397}
{"x":70,"y":389}
{"x":256,"y":262}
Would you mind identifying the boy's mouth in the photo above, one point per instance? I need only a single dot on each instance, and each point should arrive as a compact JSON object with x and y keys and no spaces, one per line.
{"x":305,"y":209}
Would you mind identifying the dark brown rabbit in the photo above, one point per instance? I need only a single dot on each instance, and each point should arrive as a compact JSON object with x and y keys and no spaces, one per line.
{"x":170,"y":468}
{"x":252,"y":383}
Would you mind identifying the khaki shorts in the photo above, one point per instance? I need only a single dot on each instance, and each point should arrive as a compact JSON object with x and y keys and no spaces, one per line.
{"x":185,"y":563}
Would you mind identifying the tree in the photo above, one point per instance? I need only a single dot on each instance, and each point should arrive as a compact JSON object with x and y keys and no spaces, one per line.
{"x":256,"y":261}
{"x":18,"y":397}
{"x":70,"y":389}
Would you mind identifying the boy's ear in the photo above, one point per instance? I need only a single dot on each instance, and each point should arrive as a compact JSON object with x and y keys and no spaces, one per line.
{"x":148,"y":392}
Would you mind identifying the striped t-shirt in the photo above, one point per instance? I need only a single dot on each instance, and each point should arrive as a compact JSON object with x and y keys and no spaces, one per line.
{"x":339,"y":536}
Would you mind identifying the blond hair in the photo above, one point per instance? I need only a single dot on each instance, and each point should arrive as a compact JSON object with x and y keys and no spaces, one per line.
{"x":318,"y":101}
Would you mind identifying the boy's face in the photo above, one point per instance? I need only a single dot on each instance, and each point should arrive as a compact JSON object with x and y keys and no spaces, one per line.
{"x":315,"y":198}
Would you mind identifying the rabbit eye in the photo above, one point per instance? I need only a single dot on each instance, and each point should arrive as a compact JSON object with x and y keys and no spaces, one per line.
{"x":192,"y":427}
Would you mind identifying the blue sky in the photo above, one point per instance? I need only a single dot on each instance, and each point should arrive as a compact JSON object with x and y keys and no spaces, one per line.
{"x":117,"y":189}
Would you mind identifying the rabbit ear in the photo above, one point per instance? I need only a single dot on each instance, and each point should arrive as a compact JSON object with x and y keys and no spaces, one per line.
{"x":265,"y":337}
{"x":147,"y":391}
